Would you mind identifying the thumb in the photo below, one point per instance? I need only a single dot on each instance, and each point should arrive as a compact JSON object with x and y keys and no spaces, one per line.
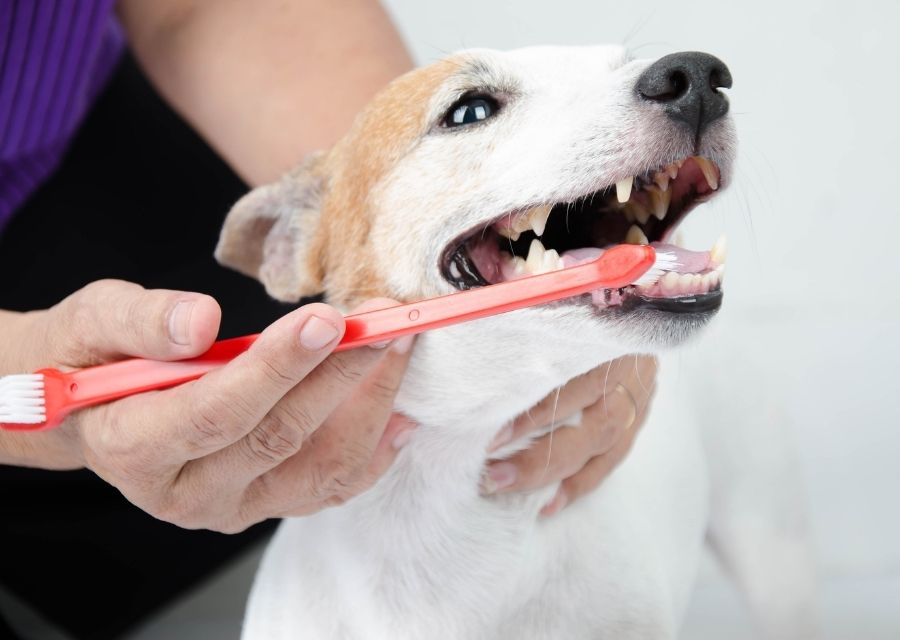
{"x":111,"y":319}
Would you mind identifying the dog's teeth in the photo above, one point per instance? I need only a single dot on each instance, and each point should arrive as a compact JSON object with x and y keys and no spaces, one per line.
{"x":636,"y":236}
{"x":454,"y":270}
{"x":662,"y":181}
{"x":521,"y":223}
{"x":669,"y":283}
{"x":709,"y":172}
{"x":623,"y":189}
{"x":638,"y":212}
{"x":672,"y":170}
{"x":718,"y":252}
{"x":552,"y":261}
{"x":660,"y":201}
{"x":535,"y":259}
{"x":519,"y":265}
{"x":508,"y":232}
{"x":538,"y":217}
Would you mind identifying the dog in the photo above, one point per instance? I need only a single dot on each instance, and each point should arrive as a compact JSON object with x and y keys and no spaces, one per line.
{"x":484,"y":167}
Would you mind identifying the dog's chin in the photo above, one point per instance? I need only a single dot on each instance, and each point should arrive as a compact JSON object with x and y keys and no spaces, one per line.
{"x":646,"y":328}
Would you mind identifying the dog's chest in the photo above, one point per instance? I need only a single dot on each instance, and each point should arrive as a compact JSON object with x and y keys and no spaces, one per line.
{"x":422,"y":555}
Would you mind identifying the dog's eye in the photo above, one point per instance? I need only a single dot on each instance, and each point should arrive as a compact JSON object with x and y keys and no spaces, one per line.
{"x":469,"y":110}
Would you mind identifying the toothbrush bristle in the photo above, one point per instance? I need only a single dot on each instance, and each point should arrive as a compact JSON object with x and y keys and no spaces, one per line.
{"x":664,"y":262}
{"x":22,"y":399}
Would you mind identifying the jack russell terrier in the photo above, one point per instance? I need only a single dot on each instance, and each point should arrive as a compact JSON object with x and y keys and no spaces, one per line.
{"x":480,"y":168}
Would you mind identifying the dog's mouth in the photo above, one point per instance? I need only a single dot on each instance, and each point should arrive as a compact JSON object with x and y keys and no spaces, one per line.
{"x":643,"y":209}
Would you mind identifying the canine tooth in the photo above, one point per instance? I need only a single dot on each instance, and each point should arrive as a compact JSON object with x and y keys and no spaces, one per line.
{"x":623,"y":189}
{"x":535,"y":259}
{"x":709,"y":172}
{"x":718,"y":252}
{"x":507,"y":232}
{"x":672,"y":170}
{"x":662,"y":181}
{"x":636,"y":236}
{"x":660,"y":201}
{"x":538,"y":218}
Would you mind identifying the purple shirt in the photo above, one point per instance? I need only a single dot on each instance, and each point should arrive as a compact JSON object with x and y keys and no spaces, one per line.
{"x":55,"y":56}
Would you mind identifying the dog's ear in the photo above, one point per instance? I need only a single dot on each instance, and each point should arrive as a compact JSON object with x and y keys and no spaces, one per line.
{"x":270,"y":232}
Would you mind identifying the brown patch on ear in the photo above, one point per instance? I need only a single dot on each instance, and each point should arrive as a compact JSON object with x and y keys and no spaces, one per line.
{"x":271,"y":232}
{"x":380,"y":136}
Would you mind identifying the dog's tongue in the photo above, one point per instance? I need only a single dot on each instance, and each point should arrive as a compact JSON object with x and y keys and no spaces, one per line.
{"x":687,"y":261}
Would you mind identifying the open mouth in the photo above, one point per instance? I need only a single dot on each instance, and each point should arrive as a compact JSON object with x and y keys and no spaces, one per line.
{"x":643,"y":209}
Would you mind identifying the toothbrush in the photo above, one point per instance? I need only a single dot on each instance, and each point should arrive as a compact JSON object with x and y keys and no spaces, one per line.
{"x":42,"y":400}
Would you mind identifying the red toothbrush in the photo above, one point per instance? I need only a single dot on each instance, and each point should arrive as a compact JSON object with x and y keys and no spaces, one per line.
{"x":41,"y":400}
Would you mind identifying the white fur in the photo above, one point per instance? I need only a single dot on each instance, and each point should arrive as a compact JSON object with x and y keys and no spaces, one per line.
{"x":422,"y":555}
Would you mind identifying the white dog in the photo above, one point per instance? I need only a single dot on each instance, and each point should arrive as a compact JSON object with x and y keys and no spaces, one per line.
{"x":480,"y":168}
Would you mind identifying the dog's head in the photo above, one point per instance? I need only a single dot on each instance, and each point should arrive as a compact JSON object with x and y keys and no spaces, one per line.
{"x":491,"y":165}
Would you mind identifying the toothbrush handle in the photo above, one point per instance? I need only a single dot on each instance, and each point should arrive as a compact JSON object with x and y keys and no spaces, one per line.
{"x":103,"y":383}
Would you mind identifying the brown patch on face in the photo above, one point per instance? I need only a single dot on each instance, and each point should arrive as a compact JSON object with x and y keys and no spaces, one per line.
{"x":381,"y":135}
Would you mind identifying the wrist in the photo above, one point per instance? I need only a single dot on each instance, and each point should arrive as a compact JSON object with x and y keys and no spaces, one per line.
{"x":54,"y":449}
{"x":20,"y":332}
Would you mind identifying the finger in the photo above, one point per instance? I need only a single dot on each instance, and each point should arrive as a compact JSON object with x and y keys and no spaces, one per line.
{"x":397,"y":434}
{"x":577,"y":394}
{"x":343,"y":457}
{"x":282,"y":430}
{"x":639,"y":379}
{"x":563,"y":452}
{"x":109,"y":319}
{"x":198,"y":418}
{"x":590,"y":476}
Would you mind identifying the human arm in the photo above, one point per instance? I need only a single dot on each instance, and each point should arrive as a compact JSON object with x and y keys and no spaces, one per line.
{"x":265,"y":81}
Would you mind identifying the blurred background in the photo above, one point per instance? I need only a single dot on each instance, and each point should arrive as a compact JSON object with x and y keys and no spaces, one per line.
{"x":812,"y":298}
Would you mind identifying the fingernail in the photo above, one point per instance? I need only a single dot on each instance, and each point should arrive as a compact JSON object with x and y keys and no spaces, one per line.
{"x":317,"y":333}
{"x":380,"y":345}
{"x":555,"y":506}
{"x":503,"y":437}
{"x":180,"y":322}
{"x":626,"y":394}
{"x":404,"y":344}
{"x":498,"y":476}
{"x":402,"y":439}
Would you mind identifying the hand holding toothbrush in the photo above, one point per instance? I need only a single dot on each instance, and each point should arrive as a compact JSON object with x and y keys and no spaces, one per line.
{"x":263,"y":436}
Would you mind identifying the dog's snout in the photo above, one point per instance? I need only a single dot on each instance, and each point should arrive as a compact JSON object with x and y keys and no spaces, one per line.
{"x":687,"y":85}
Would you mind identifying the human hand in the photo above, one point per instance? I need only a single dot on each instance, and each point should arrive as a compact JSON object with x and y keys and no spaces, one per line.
{"x":284,"y":429}
{"x":613,"y":399}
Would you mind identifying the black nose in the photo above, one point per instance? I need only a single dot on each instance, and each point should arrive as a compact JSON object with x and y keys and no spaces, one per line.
{"x":687,"y":85}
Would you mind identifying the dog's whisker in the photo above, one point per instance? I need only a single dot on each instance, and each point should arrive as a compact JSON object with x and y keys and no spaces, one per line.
{"x":552,"y":430}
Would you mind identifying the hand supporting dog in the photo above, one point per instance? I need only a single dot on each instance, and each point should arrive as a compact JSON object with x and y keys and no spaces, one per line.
{"x":282,"y":430}
{"x":613,"y":400}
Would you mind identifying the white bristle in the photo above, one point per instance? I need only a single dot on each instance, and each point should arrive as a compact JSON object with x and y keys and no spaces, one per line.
{"x":664,"y":262}
{"x":22,"y":399}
